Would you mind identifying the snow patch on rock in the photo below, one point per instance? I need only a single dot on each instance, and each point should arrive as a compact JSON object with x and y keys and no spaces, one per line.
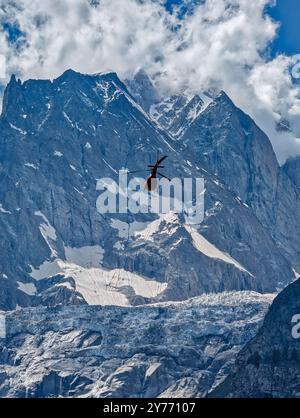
{"x":28,"y":288}
{"x":210,"y":250}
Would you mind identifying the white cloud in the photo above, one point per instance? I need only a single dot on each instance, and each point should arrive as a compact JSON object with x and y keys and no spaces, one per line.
{"x":3,"y":56}
{"x":222,"y":43}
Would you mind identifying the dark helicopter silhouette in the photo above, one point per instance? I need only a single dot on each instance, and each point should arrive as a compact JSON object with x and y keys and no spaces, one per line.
{"x":151,"y":182}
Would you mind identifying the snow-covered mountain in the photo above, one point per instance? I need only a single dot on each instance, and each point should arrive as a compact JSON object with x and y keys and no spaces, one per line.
{"x":173,"y":114}
{"x":176,"y":113}
{"x":144,"y":92}
{"x":57,"y":139}
{"x":230,"y":144}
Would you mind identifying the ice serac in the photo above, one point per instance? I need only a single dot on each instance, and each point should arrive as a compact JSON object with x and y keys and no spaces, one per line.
{"x":269,"y":367}
{"x":179,"y":349}
{"x":57,"y":138}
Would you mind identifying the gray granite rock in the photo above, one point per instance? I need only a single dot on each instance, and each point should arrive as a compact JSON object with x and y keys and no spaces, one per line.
{"x":269,"y":367}
{"x":57,"y":139}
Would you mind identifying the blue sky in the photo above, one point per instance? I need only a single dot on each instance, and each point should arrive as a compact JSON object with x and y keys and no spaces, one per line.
{"x":288,"y":13}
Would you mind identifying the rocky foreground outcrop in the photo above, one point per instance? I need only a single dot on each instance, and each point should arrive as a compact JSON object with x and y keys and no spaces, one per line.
{"x":269,"y":365}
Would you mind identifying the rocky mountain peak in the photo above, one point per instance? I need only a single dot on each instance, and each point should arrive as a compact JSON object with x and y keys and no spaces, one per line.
{"x":59,"y":137}
{"x":143,"y":90}
{"x":175,"y":286}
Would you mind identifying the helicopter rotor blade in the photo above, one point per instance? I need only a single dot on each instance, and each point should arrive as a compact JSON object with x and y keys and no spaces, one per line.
{"x":137,"y":171}
{"x":165,"y":177}
{"x":161,"y":160}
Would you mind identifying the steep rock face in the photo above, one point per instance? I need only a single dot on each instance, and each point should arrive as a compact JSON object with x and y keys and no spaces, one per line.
{"x":230,"y":144}
{"x":167,"y":111}
{"x":176,"y":113}
{"x":292,"y":169}
{"x":171,"y":349}
{"x":143,"y":90}
{"x":269,"y":364}
{"x":57,"y":139}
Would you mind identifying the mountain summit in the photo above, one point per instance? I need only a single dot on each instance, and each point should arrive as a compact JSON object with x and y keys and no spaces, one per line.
{"x":190,"y":296}
{"x":58,"y":137}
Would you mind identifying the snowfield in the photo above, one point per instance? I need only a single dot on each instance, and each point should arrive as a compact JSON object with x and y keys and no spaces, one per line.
{"x":97,"y":285}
